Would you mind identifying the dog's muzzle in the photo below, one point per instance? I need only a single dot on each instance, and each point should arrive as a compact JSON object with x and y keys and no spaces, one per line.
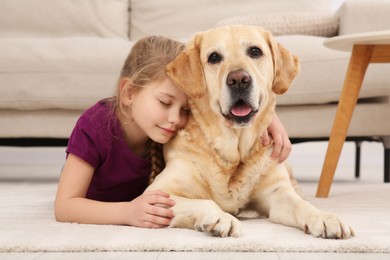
{"x":241,"y":110}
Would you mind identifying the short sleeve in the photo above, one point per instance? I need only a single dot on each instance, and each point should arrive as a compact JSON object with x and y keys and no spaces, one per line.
{"x":83,"y":142}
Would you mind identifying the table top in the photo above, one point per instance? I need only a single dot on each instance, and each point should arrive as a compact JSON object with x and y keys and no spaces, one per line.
{"x":346,"y":42}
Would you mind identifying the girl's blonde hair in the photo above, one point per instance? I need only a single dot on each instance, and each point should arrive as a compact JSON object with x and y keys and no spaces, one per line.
{"x":145,"y":64}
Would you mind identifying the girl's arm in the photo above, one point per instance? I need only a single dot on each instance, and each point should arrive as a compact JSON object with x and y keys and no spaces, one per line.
{"x":282,"y":144}
{"x":71,"y":204}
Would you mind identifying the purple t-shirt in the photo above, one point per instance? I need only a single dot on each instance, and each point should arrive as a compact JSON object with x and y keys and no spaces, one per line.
{"x":119,"y":174}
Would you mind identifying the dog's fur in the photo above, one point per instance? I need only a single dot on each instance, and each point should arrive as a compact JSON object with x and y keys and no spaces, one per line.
{"x":217,"y":167}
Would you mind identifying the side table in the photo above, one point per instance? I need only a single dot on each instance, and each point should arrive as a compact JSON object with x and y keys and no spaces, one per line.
{"x":370,"y":47}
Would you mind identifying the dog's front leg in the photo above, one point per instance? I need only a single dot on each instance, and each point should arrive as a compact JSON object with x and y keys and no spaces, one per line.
{"x":277,"y":198}
{"x":193,"y":208}
{"x":204,"y":215}
{"x":290,"y":209}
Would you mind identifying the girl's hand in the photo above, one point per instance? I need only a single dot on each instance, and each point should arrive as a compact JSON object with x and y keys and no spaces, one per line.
{"x":282,"y":144}
{"x":150,"y":210}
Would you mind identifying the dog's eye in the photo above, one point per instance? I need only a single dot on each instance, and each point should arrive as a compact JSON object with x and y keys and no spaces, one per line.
{"x":254,"y":52}
{"x":214,"y":58}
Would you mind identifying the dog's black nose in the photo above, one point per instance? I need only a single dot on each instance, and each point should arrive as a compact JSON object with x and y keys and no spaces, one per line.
{"x":238,"y":79}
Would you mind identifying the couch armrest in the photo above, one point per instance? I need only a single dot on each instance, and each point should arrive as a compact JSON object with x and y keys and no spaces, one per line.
{"x":358,"y":16}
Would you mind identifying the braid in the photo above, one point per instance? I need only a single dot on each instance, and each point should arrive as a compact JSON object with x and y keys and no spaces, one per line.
{"x":157,"y":159}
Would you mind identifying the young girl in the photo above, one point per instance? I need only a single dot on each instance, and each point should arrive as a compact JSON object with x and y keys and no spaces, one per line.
{"x":111,"y":147}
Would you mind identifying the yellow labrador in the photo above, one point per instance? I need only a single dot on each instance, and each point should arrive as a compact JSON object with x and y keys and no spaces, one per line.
{"x":217,"y":166}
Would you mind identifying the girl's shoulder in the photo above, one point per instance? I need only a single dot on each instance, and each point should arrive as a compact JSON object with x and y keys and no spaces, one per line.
{"x":101,"y":110}
{"x":100,"y":119}
{"x":94,"y":133}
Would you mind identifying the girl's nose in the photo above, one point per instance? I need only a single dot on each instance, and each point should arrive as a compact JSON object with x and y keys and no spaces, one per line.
{"x":174,"y":117}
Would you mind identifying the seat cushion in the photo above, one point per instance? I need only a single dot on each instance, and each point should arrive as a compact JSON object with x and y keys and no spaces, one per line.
{"x":67,"y":73}
{"x":45,"y":123}
{"x":316,"y":121}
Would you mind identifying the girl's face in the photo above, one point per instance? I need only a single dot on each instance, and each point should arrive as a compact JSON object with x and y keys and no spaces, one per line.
{"x":159,"y":110}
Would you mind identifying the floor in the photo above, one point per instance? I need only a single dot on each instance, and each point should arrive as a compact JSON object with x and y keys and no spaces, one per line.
{"x":194,"y":256}
{"x":44,"y":164}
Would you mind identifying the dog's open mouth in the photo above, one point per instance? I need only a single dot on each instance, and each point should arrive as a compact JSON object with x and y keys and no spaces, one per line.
{"x":241,"y":109}
{"x":241,"y":112}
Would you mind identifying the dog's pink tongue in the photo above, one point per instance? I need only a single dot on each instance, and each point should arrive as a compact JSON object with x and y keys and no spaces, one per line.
{"x":241,"y":110}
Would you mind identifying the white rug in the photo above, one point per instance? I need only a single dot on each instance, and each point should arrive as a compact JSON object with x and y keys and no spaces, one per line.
{"x":27,"y":225}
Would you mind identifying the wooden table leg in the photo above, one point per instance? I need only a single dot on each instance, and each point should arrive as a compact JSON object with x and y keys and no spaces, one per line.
{"x":360,"y":58}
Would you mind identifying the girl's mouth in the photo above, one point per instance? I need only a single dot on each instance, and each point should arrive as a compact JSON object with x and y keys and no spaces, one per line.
{"x":168,"y":130}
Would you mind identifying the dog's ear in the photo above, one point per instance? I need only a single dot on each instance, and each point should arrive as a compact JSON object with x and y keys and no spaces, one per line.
{"x":186,"y":70}
{"x":286,"y":66}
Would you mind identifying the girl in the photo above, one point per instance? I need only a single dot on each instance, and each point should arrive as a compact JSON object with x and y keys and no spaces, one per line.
{"x":111,"y":147}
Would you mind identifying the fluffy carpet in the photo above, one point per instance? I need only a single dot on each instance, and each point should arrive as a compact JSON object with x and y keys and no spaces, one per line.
{"x":27,"y":225}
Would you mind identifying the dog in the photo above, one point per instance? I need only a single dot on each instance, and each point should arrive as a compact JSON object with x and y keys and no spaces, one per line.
{"x":217,"y":167}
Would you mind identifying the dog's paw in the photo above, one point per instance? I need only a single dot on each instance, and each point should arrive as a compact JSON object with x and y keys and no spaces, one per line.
{"x":219,"y":223}
{"x":327,"y":225}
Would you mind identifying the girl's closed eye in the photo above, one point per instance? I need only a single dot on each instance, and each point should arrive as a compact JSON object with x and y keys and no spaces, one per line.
{"x":165,"y":103}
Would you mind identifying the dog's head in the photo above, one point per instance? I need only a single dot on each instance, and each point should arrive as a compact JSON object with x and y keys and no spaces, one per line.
{"x":237,"y":67}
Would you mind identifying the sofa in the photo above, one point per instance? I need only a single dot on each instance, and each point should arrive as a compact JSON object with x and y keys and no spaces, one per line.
{"x":59,"y":57}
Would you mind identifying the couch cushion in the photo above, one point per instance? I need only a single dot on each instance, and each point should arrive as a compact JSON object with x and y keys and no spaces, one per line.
{"x":317,"y":24}
{"x":45,"y":123}
{"x":358,"y":16}
{"x":181,"y":19}
{"x":323,"y":71}
{"x":59,"y":18}
{"x":67,"y":73}
{"x":369,"y":119}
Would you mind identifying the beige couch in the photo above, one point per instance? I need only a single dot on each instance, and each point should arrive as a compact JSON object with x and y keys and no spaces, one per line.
{"x":59,"y":57}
